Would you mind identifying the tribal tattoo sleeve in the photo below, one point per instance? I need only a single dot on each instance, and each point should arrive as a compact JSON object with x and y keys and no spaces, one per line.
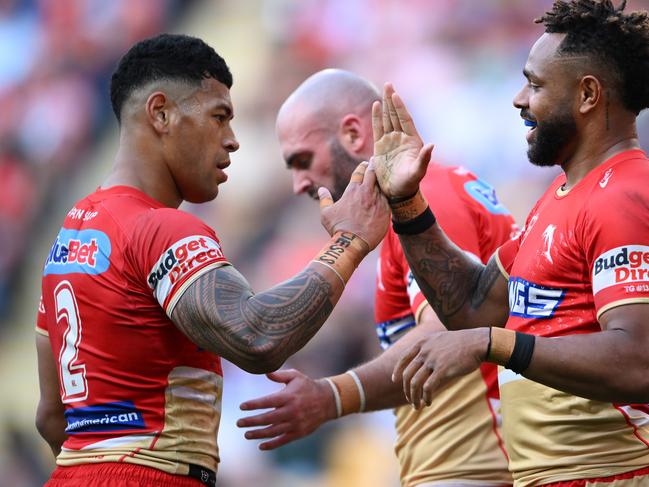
{"x":257,"y":332}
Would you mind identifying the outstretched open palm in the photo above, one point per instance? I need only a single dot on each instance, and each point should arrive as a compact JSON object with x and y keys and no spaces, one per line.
{"x":400,"y":157}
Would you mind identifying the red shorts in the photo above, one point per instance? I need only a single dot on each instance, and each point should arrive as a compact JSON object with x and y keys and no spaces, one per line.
{"x":627,"y":479}
{"x":117,"y":475}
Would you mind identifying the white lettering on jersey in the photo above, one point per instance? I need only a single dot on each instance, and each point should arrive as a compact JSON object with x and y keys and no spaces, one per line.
{"x":530,"y":300}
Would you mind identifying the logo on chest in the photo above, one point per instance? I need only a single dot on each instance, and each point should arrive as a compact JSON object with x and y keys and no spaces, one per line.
{"x":548,"y":237}
{"x":529,"y":300}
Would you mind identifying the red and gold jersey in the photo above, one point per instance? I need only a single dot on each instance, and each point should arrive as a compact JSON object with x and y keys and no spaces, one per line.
{"x":135,"y":389}
{"x":456,"y":438}
{"x":581,"y":253}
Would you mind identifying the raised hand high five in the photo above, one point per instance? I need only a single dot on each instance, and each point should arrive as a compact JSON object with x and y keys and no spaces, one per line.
{"x":400,"y":156}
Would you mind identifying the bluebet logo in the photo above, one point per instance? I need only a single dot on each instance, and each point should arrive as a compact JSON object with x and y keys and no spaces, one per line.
{"x":78,"y":251}
{"x":113,"y":416}
{"x":530,"y":300}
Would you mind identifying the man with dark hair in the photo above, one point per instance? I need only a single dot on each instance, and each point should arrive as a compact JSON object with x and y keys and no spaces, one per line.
{"x":325,"y":130}
{"x":138,"y":300}
{"x":572,"y":291}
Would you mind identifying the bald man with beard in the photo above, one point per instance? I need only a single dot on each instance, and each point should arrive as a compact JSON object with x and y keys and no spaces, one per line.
{"x":325,"y":130}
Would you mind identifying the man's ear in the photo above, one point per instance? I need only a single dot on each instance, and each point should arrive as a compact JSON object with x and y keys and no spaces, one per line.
{"x":157,"y":111}
{"x":591,"y":94}
{"x":352,"y":135}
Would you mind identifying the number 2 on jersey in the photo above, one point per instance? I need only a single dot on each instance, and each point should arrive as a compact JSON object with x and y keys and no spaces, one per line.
{"x":72,"y":373}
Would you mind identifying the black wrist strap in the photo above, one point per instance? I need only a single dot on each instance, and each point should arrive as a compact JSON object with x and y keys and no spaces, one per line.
{"x":417,"y":225}
{"x":522,"y":353}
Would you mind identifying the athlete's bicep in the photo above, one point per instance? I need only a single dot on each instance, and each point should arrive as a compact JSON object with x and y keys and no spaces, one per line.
{"x":220,"y":312}
{"x":210,"y":311}
{"x":632,"y":319}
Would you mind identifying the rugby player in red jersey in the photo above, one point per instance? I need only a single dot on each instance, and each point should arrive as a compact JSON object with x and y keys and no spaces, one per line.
{"x":325,"y":129}
{"x":139,"y":301}
{"x":568,"y":300}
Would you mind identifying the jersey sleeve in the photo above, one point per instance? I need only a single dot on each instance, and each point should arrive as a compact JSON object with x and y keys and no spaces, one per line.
{"x":506,"y":254}
{"x":616,"y":242}
{"x":170,"y":250}
{"x":41,"y":321}
{"x":392,"y":309}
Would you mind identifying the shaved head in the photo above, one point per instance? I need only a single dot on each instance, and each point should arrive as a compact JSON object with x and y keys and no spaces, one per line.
{"x":325,"y":130}
{"x":329,"y":95}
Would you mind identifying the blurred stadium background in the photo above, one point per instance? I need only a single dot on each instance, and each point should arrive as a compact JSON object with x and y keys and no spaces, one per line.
{"x":456,"y":62}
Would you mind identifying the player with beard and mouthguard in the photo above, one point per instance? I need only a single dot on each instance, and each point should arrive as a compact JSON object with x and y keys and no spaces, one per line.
{"x":324,"y":129}
{"x":139,"y":302}
{"x":564,"y":307}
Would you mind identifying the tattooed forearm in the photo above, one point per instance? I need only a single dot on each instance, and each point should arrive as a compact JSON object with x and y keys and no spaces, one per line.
{"x":455,"y":286}
{"x":257,"y":332}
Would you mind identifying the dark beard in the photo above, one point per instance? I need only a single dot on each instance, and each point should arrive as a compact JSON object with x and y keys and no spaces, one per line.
{"x":343,"y":164}
{"x":550,"y":138}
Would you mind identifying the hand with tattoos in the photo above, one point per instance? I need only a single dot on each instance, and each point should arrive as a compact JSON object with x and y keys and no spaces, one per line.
{"x":258,"y":332}
{"x":464,"y":293}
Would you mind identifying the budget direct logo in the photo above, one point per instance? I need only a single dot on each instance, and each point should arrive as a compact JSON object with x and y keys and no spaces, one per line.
{"x":78,"y":251}
{"x":180,"y":260}
{"x":621,"y":265}
{"x":114,"y":416}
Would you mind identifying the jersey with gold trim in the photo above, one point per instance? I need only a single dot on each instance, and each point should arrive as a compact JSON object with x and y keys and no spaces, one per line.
{"x":456,"y":438}
{"x":135,"y":389}
{"x":582,"y":252}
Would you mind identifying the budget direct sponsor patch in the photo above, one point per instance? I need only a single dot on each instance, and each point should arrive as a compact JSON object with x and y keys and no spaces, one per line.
{"x":78,"y":251}
{"x":181,"y":260}
{"x":621,"y":265}
{"x":113,"y":416}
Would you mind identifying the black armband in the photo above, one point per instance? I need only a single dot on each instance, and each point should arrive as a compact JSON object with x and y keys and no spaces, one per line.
{"x":521,"y":356}
{"x":417,"y":225}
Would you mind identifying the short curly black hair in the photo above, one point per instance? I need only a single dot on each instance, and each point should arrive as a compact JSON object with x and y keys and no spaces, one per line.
{"x":619,"y":41}
{"x":166,"y":56}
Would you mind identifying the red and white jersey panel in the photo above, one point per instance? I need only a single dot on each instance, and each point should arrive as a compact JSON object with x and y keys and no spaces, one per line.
{"x":135,"y":388}
{"x":582,"y":252}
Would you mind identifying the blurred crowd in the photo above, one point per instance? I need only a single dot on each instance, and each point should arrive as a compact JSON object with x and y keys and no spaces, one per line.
{"x":56,"y":58}
{"x":457,"y":64}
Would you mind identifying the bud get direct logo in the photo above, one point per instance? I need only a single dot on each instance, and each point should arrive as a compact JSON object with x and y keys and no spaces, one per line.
{"x":621,"y":265}
{"x":179,"y":261}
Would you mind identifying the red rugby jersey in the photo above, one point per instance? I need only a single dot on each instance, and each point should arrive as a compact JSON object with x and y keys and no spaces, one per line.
{"x":582,"y":252}
{"x":135,"y":388}
{"x":456,"y":438}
